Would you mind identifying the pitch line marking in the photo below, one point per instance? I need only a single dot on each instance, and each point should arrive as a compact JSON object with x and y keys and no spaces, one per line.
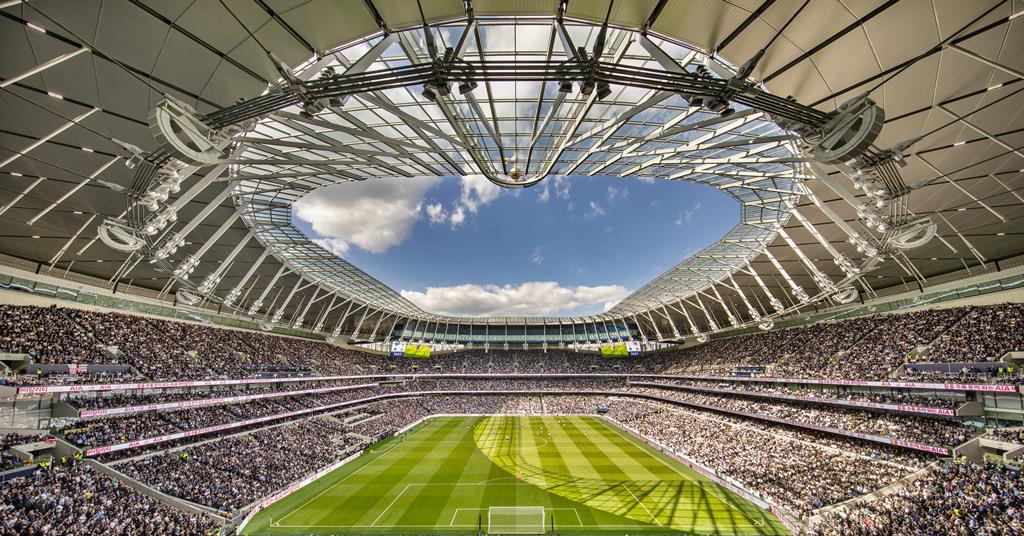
{"x":406,"y":488}
{"x":637,"y":499}
{"x":758,"y":523}
{"x":579,"y":520}
{"x":434,"y":527}
{"x":336,"y":484}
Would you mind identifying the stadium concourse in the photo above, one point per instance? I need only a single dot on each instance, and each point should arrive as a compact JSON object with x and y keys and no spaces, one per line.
{"x":187,"y":348}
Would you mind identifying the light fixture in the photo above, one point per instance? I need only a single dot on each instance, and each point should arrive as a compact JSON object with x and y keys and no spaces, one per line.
{"x":466,"y":86}
{"x":428,"y":93}
{"x":603,"y":90}
{"x":565,"y":86}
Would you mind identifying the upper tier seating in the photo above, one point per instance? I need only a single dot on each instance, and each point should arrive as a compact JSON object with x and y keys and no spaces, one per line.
{"x":872,"y":347}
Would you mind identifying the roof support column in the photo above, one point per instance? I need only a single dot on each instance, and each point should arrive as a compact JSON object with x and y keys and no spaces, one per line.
{"x":237,"y":290}
{"x":337,"y":328}
{"x":280,"y":310}
{"x":675,"y":330}
{"x":210,"y":283}
{"x":297,"y":321}
{"x":380,"y":318}
{"x":318,"y":326}
{"x":712,"y":324}
{"x":266,"y":290}
{"x":798,"y":292}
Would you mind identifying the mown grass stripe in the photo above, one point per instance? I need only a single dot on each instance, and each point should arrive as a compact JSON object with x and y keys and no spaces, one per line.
{"x":422,"y":482}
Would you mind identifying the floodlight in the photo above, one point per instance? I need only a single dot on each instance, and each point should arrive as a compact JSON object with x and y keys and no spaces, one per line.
{"x":428,"y":93}
{"x":466,"y":86}
{"x":565,"y":86}
{"x":603,"y":90}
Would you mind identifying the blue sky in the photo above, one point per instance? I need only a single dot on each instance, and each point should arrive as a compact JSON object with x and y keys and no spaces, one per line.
{"x":570,"y":245}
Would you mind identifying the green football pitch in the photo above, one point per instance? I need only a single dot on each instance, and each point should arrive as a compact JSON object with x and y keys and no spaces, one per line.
{"x":444,"y":475}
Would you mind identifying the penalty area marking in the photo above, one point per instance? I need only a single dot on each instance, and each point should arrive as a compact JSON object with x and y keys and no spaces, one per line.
{"x":579,"y":520}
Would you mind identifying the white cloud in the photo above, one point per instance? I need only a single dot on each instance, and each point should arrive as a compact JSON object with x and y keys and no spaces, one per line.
{"x":335,"y":246}
{"x":562,"y":187}
{"x":531,"y":298}
{"x":536,"y":257}
{"x":595,"y":211}
{"x":687,"y":214}
{"x":545,"y":194}
{"x":617,"y":193}
{"x":458,"y":216}
{"x":436,"y":213}
{"x":477,"y":190}
{"x":375,"y":214}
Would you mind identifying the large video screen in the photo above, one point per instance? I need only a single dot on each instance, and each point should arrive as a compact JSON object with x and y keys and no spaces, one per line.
{"x":622,"y":349}
{"x":406,"y":349}
{"x":614,"y":350}
{"x":417,"y":350}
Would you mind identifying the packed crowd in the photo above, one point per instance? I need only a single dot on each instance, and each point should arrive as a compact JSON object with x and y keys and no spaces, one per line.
{"x":48,"y":335}
{"x":105,"y":400}
{"x":113,"y":430}
{"x":233,"y":472}
{"x":897,"y":426}
{"x":871,"y":347}
{"x":799,"y":470}
{"x":120,"y":429}
{"x":10,"y":461}
{"x":948,"y":400}
{"x":892,"y":343}
{"x":965,"y":374}
{"x":984,"y":334}
{"x":1012,"y":435}
{"x":956,"y":499}
{"x":73,"y":499}
{"x":164,"y":349}
{"x":486,"y":404}
{"x":230,"y":473}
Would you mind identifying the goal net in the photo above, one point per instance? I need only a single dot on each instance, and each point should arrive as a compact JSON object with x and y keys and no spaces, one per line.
{"x":515,"y":520}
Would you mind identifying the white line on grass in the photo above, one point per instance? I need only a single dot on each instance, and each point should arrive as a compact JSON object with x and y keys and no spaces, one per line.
{"x":336,"y":484}
{"x":759,"y":523}
{"x":637,"y":499}
{"x":579,"y":520}
{"x":406,"y":488}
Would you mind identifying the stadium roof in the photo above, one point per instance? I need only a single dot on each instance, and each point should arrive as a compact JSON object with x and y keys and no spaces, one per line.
{"x":81,"y":80}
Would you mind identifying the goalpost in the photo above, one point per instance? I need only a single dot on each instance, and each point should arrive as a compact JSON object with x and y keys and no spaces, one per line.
{"x":515,"y":520}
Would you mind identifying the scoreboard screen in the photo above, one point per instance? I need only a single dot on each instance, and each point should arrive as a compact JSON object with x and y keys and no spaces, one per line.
{"x":629,"y":348}
{"x":614,"y":350}
{"x":417,"y":350}
{"x":406,"y":349}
